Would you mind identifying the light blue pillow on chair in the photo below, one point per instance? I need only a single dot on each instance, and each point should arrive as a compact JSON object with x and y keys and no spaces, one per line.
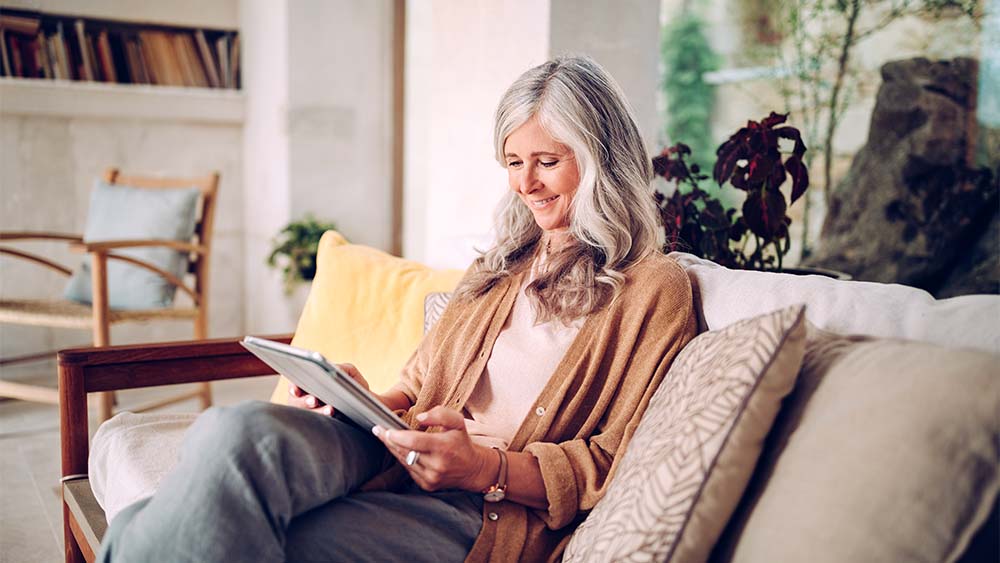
{"x":120,"y":212}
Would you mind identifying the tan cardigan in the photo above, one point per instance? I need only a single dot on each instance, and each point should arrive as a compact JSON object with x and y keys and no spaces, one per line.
{"x":585,"y":415}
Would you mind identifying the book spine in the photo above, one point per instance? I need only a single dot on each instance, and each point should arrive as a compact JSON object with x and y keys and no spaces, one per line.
{"x":3,"y":54}
{"x":104,"y":54}
{"x":207,"y":60}
{"x":81,"y":36}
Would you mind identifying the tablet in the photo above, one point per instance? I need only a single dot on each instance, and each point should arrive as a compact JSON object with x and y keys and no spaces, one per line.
{"x":316,"y":376}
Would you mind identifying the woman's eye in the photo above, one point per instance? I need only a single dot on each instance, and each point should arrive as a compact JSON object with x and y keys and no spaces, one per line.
{"x":548,"y":164}
{"x":514,"y":164}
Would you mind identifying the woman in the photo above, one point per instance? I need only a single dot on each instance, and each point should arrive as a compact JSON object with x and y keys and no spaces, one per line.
{"x":532,"y":382}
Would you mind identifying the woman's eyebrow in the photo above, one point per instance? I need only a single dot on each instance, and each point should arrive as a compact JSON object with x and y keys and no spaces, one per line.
{"x":537,"y":153}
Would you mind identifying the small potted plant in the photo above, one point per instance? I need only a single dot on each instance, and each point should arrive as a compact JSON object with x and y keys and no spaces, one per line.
{"x":294,"y":250}
{"x":751,"y":161}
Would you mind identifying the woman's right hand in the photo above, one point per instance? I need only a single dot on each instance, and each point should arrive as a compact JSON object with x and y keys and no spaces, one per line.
{"x":298,"y":397}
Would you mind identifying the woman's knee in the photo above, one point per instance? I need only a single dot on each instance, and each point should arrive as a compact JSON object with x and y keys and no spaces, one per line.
{"x":241,"y":425}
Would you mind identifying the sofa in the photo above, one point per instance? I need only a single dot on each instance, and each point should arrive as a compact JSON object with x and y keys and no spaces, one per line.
{"x":811,"y":419}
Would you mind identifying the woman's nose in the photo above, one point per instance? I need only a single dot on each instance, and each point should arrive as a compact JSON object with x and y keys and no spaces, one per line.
{"x":528,"y":181}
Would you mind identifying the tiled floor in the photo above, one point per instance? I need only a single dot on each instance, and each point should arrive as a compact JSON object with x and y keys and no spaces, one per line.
{"x":30,"y":509}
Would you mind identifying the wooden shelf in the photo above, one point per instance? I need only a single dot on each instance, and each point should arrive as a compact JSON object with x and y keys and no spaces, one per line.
{"x":74,"y":99}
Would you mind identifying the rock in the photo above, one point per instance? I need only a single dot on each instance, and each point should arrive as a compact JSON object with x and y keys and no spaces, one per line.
{"x":911,"y":210}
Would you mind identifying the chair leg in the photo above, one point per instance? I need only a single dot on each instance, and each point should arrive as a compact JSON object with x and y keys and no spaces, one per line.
{"x":72,"y":551}
{"x":106,"y":404}
{"x":205,"y":395}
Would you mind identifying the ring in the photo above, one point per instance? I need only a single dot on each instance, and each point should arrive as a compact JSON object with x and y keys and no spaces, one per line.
{"x":412,"y":457}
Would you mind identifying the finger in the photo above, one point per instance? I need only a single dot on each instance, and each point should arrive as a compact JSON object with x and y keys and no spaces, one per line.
{"x":312,"y":402}
{"x":295,"y":391}
{"x":449,"y":419}
{"x":413,"y":440}
{"x":350,"y":369}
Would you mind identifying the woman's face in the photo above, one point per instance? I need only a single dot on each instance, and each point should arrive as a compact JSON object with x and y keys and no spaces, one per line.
{"x":543,"y":173}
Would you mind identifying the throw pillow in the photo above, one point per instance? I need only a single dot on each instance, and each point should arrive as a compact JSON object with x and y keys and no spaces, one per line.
{"x":434,"y":305}
{"x":126,"y":213}
{"x":724,"y":296}
{"x":887,"y":450}
{"x":695,"y":449}
{"x":366,"y":308}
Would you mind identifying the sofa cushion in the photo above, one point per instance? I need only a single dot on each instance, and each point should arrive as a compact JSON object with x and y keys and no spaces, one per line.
{"x":366,"y":307}
{"x":691,"y":456}
{"x":724,"y":296}
{"x":887,"y":450}
{"x":130,"y":454}
{"x":119,"y":212}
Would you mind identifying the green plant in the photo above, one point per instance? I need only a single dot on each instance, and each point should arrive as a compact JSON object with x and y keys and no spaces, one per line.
{"x":294,"y":250}
{"x":687,"y":56}
{"x":751,"y":161}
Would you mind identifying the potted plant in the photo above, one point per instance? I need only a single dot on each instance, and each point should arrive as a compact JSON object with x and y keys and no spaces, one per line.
{"x":294,"y":250}
{"x":751,"y":160}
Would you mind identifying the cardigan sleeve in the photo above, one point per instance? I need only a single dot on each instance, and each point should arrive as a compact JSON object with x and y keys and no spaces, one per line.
{"x":576,"y":472}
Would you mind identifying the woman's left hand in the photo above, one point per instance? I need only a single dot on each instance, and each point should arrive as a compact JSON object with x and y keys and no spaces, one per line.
{"x":447,"y":459}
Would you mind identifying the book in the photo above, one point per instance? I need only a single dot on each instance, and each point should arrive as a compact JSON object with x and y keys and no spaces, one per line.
{"x":222,"y":49}
{"x":62,"y":55}
{"x":4,"y":57}
{"x":234,"y":62}
{"x":81,"y":37}
{"x":20,"y":23}
{"x":42,"y":55}
{"x":104,"y":57}
{"x":207,"y":60}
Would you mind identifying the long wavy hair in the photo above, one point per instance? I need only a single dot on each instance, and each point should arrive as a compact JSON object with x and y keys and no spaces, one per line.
{"x":613,"y":218}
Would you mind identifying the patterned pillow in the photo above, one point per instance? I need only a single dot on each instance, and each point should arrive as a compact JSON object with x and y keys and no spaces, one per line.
{"x":695,"y":449}
{"x":434,"y":305}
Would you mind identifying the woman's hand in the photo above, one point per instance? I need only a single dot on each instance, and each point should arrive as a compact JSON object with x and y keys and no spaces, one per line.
{"x":298,"y":397}
{"x":448,"y":459}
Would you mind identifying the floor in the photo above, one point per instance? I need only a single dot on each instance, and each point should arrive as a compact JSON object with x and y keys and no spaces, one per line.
{"x":30,"y":506}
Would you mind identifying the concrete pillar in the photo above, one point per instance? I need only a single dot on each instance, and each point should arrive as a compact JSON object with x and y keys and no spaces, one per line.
{"x":318,"y":132}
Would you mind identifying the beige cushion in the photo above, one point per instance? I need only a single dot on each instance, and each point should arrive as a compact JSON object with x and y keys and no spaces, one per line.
{"x":131,"y":453}
{"x":693,"y":452}
{"x":889,"y":451}
{"x":724,"y":296}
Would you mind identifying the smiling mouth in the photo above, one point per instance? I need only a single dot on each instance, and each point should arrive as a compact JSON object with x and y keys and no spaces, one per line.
{"x":544,"y":202}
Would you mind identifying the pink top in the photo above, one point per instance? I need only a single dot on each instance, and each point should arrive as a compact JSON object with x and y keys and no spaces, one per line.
{"x":523,"y":359}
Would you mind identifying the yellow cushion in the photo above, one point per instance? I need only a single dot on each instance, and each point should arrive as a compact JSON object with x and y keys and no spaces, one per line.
{"x":366,"y":307}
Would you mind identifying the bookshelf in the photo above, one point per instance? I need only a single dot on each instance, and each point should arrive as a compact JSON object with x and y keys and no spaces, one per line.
{"x":62,"y":47}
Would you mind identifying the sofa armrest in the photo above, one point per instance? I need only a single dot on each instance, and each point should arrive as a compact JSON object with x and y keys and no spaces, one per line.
{"x":89,"y":370}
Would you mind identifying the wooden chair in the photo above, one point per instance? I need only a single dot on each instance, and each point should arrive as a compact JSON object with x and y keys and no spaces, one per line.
{"x":98,"y":317}
{"x":103,"y":370}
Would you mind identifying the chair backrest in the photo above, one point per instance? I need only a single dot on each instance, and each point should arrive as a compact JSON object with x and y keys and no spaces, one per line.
{"x":208,"y":185}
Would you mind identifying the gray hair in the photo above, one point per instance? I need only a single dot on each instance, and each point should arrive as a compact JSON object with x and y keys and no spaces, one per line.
{"x":613,"y":217}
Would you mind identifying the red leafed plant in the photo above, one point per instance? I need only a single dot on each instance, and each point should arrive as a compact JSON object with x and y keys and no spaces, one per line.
{"x":751,"y":161}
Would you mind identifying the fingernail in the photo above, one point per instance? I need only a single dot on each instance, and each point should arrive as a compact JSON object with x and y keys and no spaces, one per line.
{"x":422,"y":416}
{"x":311,"y":401}
{"x":377,"y":430}
{"x":328,"y":410}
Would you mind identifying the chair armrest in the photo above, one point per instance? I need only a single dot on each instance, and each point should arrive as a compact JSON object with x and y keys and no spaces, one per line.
{"x":132,"y":366}
{"x":41,"y":235}
{"x":87,"y":370}
{"x":106,"y":245}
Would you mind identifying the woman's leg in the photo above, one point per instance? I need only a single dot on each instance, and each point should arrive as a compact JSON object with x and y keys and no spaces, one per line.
{"x":383,"y":527}
{"x":244,"y":473}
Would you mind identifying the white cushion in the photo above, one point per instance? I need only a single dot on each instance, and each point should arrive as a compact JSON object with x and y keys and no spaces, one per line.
{"x":724,"y":296}
{"x":129,"y":455}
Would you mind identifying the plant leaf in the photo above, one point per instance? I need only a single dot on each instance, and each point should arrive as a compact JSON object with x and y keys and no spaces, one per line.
{"x":764,"y":213}
{"x":800,"y":176}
